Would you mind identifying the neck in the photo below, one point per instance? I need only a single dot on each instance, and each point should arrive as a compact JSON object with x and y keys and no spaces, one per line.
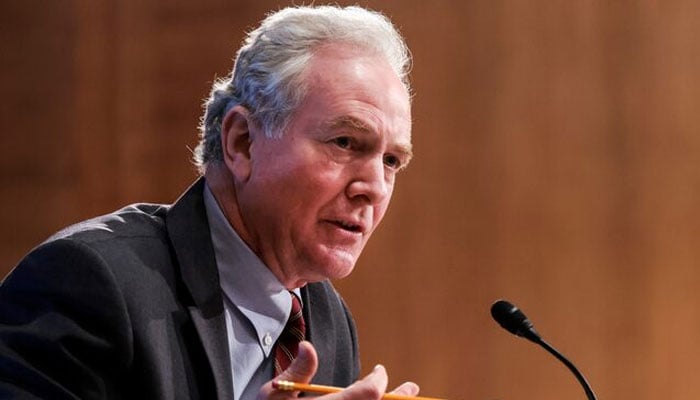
{"x":222,"y":185}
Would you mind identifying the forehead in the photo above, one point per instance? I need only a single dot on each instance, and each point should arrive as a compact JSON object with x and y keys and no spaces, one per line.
{"x":356,"y":89}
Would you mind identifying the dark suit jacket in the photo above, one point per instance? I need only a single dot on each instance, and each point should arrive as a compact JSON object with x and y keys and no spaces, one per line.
{"x":128,"y":305}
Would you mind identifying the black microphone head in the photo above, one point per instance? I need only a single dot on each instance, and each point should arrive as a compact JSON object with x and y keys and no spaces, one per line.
{"x":513,"y":320}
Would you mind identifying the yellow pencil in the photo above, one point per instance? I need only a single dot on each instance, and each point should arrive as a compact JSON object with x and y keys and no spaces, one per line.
{"x":321,"y":389}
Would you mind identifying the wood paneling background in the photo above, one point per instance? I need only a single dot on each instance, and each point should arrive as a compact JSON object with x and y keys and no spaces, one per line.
{"x":557,"y":155}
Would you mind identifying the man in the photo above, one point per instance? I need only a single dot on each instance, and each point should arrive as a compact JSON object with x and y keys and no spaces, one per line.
{"x":300,"y":149}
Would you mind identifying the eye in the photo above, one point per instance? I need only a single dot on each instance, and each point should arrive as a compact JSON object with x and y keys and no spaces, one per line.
{"x":344,"y":142}
{"x":392,"y":161}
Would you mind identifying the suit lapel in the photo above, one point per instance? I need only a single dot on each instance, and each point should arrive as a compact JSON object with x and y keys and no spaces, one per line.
{"x":189,"y":234}
{"x":321,"y":331}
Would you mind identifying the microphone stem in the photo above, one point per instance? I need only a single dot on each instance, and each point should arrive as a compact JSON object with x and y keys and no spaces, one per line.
{"x":570,"y":365}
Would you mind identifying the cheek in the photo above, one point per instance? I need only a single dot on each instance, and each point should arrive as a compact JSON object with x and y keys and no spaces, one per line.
{"x":305,"y":191}
{"x":320,"y":181}
{"x":379,"y":212}
{"x":380,"y":209}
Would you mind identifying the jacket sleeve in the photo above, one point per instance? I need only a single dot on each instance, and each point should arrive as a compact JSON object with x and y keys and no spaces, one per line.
{"x":64,"y":327}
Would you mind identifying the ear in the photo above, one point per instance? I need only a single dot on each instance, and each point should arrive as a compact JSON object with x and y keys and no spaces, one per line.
{"x":236,"y":141}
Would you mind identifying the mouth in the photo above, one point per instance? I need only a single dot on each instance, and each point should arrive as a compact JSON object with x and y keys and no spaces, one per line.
{"x":348,"y":226}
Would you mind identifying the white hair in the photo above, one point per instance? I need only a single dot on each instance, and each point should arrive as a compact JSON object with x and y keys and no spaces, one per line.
{"x":267,"y":73}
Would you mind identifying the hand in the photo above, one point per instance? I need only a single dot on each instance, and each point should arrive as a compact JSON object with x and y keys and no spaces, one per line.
{"x":304,"y":367}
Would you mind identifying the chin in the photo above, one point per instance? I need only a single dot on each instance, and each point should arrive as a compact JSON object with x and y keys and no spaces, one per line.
{"x":336,"y":265}
{"x":340,"y":273}
{"x":330,"y":263}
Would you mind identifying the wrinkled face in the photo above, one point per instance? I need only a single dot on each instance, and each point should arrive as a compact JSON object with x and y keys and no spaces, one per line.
{"x":314,"y":196}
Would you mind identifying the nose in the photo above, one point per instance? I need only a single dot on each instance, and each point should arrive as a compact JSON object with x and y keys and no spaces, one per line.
{"x":370,"y":181}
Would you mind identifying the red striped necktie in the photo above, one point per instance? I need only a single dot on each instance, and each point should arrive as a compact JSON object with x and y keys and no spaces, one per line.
{"x":287,"y":346}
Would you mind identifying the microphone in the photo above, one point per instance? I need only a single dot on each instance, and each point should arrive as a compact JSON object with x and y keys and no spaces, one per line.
{"x":514,"y":321}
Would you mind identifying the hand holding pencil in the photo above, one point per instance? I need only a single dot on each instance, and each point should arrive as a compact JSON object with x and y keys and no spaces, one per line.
{"x":303,"y":368}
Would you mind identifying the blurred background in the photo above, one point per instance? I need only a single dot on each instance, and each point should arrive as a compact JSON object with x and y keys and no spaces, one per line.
{"x":557,"y":152}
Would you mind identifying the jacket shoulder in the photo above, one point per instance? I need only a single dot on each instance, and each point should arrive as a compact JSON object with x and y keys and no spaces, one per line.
{"x":134,"y":220}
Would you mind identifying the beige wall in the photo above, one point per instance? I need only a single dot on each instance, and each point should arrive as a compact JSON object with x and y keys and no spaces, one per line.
{"x":557,"y":155}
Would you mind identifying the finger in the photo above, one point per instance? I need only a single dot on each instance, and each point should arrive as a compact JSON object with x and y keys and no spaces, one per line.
{"x":407,"y":389}
{"x":371,"y":387}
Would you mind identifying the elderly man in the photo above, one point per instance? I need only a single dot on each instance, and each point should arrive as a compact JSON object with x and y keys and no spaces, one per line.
{"x":210,"y":297}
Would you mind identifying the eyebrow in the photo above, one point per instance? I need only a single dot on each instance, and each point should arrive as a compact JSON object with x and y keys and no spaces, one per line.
{"x":407,"y":151}
{"x":350,"y":122}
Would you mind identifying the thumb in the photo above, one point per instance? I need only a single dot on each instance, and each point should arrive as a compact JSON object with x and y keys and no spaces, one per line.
{"x":303,"y":367}
{"x":301,"y":370}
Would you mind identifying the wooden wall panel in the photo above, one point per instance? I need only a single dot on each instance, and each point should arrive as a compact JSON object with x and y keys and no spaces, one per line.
{"x":37,"y":84}
{"x":557,"y":155}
